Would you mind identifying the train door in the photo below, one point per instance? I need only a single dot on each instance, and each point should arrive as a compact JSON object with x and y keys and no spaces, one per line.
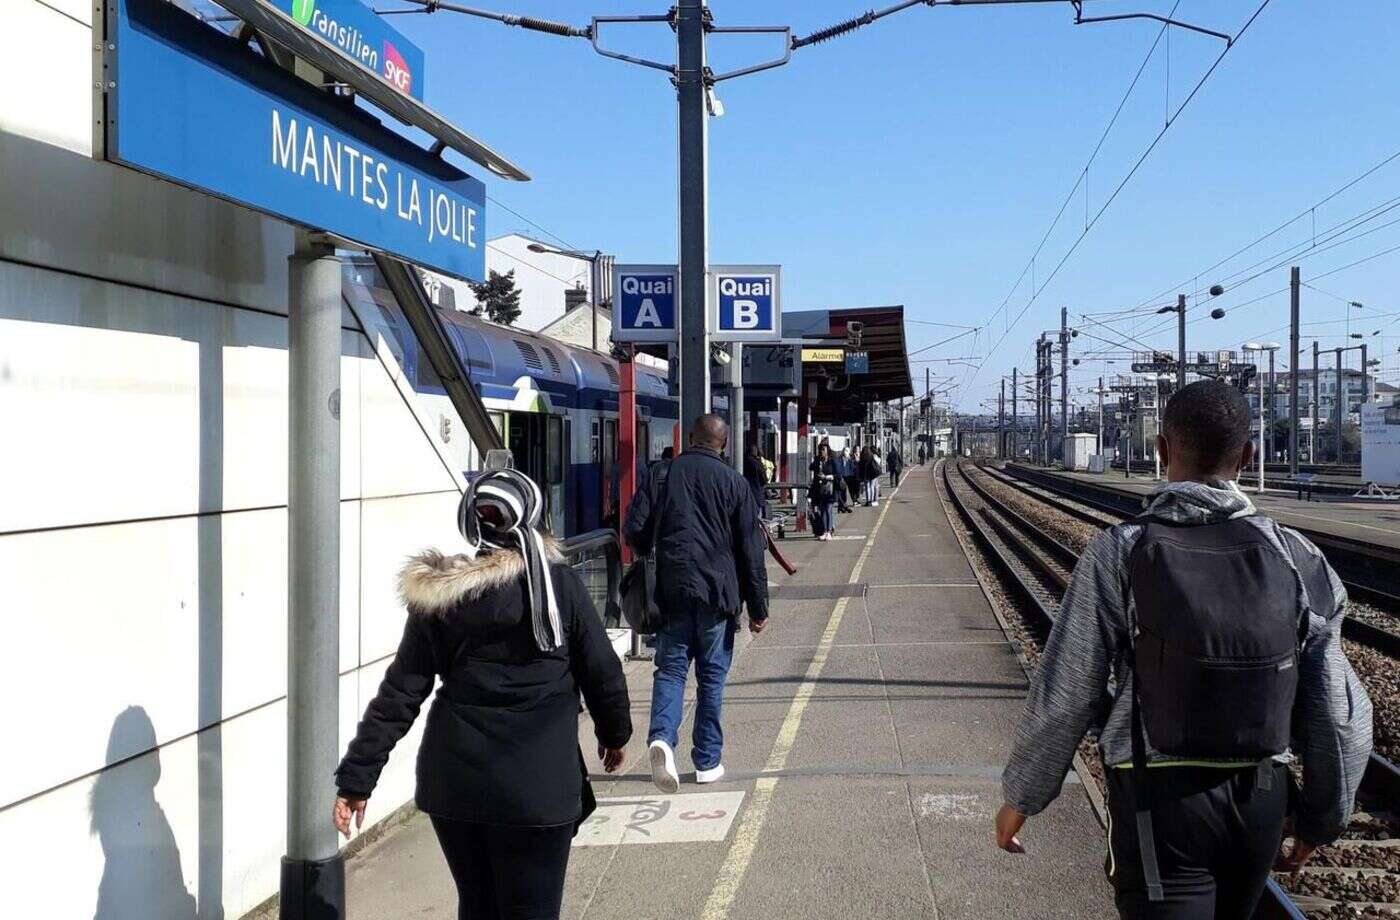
{"x":608,"y":470}
{"x":536,"y":442}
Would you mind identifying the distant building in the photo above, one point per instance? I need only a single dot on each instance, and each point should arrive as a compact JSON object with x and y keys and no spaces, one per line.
{"x":576,"y":327}
{"x":543,"y":279}
{"x":1352,"y":386}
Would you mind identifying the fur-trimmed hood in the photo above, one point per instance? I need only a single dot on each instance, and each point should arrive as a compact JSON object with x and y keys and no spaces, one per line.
{"x":433,"y":583}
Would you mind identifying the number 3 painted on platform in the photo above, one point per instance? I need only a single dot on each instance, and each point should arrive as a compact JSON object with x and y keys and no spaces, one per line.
{"x":699,"y":816}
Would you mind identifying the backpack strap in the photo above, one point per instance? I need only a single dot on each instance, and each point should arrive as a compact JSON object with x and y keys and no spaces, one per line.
{"x":1142,"y":802}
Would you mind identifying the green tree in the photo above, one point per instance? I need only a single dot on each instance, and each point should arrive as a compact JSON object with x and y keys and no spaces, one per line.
{"x":498,"y":298}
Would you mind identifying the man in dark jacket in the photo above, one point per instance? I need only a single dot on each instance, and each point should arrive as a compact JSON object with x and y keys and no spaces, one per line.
{"x":757,"y":478}
{"x":700,"y":518}
{"x":1214,"y":823}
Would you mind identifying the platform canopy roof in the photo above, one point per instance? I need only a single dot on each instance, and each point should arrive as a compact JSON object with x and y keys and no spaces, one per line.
{"x":842,"y":398}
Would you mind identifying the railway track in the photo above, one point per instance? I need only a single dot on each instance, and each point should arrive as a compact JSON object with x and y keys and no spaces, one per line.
{"x":1359,"y":877}
{"x":1369,"y":573}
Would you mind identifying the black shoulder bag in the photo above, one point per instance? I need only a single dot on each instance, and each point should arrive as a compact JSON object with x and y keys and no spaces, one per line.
{"x":638,"y":588}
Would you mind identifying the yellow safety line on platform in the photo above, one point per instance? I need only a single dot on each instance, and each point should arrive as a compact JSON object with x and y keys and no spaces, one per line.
{"x":736,"y":862}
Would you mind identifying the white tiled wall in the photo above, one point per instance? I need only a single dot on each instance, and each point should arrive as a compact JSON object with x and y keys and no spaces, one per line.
{"x":143,"y":388}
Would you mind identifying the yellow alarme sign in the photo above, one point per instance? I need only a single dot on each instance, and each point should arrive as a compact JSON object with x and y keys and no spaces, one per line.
{"x":821,"y":355}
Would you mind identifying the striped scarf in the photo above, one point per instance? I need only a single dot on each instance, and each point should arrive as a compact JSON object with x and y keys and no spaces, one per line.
{"x":521,"y":506}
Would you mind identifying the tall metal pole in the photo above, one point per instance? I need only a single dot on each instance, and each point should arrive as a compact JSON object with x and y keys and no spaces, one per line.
{"x":1100,"y":450}
{"x":1014,"y":418}
{"x":1340,"y":406}
{"x":313,"y":873}
{"x":1365,"y":377}
{"x":1295,"y":285}
{"x":1273,"y":391}
{"x":1180,"y":342}
{"x":1064,"y":384}
{"x":694,"y":203}
{"x":736,"y":404}
{"x":1316,"y":402}
{"x":1262,"y":486}
{"x":595,"y":278}
{"x":1001,"y":422}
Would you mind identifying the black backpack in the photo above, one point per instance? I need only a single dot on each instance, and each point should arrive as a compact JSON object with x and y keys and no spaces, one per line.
{"x":1217,"y":639}
{"x":1216,"y":642}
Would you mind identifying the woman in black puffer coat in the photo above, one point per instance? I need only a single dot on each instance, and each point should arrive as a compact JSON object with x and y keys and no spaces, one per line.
{"x":515,"y":638}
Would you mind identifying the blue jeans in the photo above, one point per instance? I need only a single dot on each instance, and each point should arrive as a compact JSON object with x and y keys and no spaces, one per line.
{"x":823,"y":518}
{"x":707,"y":638}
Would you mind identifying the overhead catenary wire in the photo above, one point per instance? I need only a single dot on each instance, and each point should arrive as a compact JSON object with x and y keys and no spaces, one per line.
{"x":1195,"y":91}
{"x":1309,"y":210}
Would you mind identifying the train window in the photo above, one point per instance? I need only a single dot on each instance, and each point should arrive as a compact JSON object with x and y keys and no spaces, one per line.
{"x":554,"y":449}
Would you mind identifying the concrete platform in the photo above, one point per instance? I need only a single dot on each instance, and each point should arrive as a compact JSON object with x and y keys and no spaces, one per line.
{"x":864,"y":738}
{"x":1369,"y":520}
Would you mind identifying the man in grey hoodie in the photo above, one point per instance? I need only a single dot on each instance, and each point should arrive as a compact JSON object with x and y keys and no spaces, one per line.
{"x":1216,"y":827}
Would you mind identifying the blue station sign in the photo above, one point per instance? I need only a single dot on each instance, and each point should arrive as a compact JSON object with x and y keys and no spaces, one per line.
{"x":365,"y":37}
{"x":184,"y":101}
{"x":646,"y":301}
{"x":746,"y":303}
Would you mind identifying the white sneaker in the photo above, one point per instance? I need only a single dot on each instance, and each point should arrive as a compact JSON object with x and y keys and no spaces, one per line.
{"x":663,"y":766}
{"x":712,"y":775}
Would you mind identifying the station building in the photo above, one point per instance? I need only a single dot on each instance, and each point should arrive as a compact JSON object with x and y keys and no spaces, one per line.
{"x":143,"y":515}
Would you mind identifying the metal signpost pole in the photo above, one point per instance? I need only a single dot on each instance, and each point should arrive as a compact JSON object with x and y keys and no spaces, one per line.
{"x":736,"y":404}
{"x":694,"y":219}
{"x":1295,"y":285}
{"x":313,"y":872}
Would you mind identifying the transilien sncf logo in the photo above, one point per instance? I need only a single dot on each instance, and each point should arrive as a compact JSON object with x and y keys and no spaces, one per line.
{"x":302,"y":10}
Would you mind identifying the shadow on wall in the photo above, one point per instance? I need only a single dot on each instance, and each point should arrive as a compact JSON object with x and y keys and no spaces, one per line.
{"x":142,"y":876}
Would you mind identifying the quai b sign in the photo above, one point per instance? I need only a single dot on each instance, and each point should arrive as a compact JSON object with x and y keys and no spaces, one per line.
{"x":646,"y":302}
{"x":745,"y":303}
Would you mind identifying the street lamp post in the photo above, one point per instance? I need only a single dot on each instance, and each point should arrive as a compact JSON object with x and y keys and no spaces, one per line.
{"x":1270,"y":347}
{"x":595,"y":277}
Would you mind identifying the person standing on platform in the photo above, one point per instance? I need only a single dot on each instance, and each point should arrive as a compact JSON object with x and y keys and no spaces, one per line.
{"x":756,"y":475}
{"x":869,"y":473}
{"x":845,"y":481}
{"x":821,"y":492}
{"x":1217,"y":633}
{"x":895,"y":463}
{"x":703,"y":524}
{"x":512,"y":633}
{"x":923,"y":455}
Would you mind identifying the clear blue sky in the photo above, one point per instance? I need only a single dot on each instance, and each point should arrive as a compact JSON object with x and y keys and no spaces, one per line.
{"x":921,"y":159}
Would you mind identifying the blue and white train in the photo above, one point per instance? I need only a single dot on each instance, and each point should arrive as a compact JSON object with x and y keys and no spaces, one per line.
{"x":555,"y":406}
